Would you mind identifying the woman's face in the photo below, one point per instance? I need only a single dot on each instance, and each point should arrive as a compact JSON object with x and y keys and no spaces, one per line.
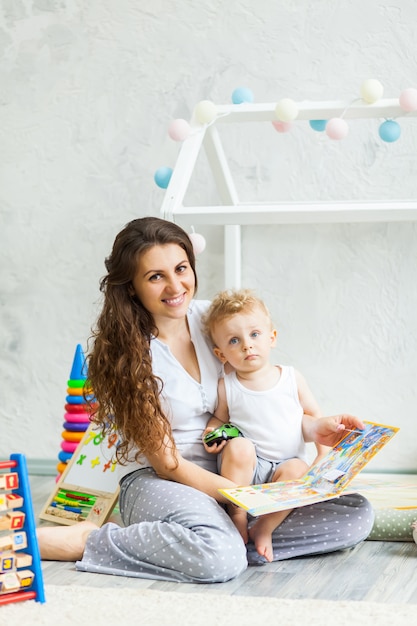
{"x":164,"y":281}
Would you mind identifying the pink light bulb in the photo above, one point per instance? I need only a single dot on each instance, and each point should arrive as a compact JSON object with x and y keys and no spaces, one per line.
{"x":337,"y":128}
{"x":179,"y":129}
{"x":408,"y":99}
{"x":282,"y":127}
{"x":198,"y":241}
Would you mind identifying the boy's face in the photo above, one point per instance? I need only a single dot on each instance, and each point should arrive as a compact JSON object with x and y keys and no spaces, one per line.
{"x":244,"y":340}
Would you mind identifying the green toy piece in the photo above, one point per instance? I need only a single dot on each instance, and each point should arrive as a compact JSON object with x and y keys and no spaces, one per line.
{"x":223,"y":433}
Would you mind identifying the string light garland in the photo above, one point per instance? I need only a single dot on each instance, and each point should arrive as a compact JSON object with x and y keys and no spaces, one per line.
{"x":287,"y":113}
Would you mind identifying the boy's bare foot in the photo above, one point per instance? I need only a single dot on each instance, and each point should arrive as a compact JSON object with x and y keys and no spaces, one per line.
{"x":240,"y":520}
{"x":64,"y":543}
{"x":263,"y":541}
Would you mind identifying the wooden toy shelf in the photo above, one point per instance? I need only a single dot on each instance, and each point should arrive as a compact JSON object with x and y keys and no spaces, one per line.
{"x":20,"y":572}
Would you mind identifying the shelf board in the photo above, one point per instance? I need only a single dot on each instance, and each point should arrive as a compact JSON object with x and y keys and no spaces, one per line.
{"x":308,"y":110}
{"x":297,"y":213}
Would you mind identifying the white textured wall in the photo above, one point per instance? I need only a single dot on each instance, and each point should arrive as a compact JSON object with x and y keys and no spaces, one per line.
{"x":87,"y":90}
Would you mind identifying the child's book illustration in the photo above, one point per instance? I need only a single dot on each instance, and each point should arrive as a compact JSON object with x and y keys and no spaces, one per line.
{"x":324,"y":481}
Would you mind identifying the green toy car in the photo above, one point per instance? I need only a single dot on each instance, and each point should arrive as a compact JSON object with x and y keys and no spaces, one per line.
{"x":223,"y":433}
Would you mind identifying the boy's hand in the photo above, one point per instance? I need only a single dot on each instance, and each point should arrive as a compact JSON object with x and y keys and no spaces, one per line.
{"x":215,"y":448}
{"x":329,"y":430}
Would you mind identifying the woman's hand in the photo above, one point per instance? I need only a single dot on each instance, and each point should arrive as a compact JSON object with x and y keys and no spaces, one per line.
{"x":329,"y":430}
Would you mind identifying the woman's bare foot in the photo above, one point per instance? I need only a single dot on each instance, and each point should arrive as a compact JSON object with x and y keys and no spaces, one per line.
{"x":64,"y":543}
{"x":262,"y":539}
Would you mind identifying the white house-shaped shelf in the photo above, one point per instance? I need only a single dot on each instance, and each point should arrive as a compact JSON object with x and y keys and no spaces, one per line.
{"x":232,"y":213}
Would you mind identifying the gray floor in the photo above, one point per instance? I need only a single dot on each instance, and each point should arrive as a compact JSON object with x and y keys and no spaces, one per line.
{"x":374,"y":571}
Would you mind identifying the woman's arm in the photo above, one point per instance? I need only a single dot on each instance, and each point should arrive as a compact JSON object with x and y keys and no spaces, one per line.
{"x":188,"y":473}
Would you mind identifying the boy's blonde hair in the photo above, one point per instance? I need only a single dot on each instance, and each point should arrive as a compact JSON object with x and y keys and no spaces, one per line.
{"x":228,"y":303}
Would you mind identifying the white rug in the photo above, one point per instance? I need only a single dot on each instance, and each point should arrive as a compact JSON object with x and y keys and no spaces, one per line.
{"x":76,"y":605}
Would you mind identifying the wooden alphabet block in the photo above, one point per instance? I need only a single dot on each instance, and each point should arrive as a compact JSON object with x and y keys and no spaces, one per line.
{"x":7,"y":562}
{"x":9,"y":481}
{"x":19,"y":541}
{"x":23,"y":559}
{"x":14,"y":501}
{"x":17,"y":519}
{"x":25,"y":577}
{"x":3,"y":502}
{"x":6,"y":543}
{"x":9,"y":582}
{"x":12,"y":521}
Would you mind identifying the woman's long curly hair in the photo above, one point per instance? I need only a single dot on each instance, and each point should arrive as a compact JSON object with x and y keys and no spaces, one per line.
{"x":126,"y":392}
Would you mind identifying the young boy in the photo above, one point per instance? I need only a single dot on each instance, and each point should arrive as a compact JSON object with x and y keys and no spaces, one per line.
{"x":266,"y":402}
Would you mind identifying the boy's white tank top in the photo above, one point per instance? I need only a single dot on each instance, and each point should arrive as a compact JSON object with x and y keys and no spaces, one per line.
{"x":272,"y":419}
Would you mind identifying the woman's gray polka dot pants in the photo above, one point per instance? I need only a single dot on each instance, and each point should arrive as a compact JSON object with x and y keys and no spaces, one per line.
{"x":177,"y":533}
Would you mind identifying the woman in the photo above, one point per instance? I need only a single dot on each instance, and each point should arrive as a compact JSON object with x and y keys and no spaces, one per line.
{"x":153,"y":371}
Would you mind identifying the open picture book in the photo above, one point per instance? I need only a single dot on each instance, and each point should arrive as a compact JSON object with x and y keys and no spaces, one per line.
{"x":324,"y":481}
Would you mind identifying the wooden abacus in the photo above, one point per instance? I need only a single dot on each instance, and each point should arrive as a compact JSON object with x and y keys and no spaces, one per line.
{"x":20,"y":572}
